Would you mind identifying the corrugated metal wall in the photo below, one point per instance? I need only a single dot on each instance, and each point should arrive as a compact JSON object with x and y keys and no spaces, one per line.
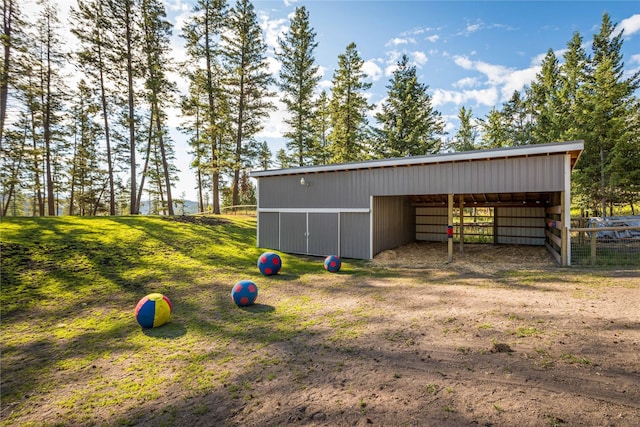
{"x":431,"y":224}
{"x":352,"y":189}
{"x":520,"y":226}
{"x":269,"y":230}
{"x":354,"y":235}
{"x":393,"y":223}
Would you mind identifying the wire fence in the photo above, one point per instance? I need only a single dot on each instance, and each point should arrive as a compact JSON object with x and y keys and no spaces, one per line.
{"x":613,"y":242}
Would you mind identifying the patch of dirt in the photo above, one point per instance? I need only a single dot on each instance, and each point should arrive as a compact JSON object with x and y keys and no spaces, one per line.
{"x":194,"y":219}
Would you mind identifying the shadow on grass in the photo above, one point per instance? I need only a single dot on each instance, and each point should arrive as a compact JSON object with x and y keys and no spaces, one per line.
{"x":169,"y":330}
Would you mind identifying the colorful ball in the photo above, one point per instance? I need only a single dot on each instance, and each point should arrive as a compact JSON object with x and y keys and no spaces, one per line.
{"x":153,"y":310}
{"x":244,"y":293}
{"x":332,"y":263}
{"x":269,"y":263}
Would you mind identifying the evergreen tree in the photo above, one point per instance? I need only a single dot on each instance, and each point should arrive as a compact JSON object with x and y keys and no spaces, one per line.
{"x":465,"y":137}
{"x":247,"y":83}
{"x":51,"y":90}
{"x":544,"y":101}
{"x":264,"y":156}
{"x":298,"y":80}
{"x":516,"y":119}
{"x":160,"y":90}
{"x":494,"y":133}
{"x":91,"y":28}
{"x":410,"y":126}
{"x":348,"y":108}
{"x":607,"y":99}
{"x":321,"y":125}
{"x":572,"y":78}
{"x":203,"y":37}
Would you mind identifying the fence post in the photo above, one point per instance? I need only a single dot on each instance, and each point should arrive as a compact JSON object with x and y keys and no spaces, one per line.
{"x":593,"y":243}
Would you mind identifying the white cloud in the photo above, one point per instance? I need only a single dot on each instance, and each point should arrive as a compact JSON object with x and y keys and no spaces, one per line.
{"x":472,"y":28}
{"x":419,"y":58}
{"x":434,"y":38}
{"x":372,"y":69}
{"x":273,"y":28}
{"x":630,"y":25}
{"x":486,"y":97}
{"x":400,"y":40}
{"x":466,"y":82}
{"x":635,"y":58}
{"x":499,"y":76}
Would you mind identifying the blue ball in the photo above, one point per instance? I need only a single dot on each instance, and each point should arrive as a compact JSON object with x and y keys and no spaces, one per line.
{"x":244,"y":293}
{"x":269,"y":263}
{"x":332,"y":264}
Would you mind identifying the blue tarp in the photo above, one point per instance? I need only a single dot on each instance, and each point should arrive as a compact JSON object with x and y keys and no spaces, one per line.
{"x":616,"y":221}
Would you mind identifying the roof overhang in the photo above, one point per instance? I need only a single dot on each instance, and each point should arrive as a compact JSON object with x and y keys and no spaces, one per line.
{"x":573,"y":148}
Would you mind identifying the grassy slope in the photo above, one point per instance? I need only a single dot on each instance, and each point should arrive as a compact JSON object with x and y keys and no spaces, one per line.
{"x":69,"y":288}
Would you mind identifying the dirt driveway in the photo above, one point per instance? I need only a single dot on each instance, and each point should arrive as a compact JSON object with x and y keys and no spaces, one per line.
{"x":500,"y":337}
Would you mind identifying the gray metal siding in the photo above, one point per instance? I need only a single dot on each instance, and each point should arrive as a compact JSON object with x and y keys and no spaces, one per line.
{"x":431,"y":224}
{"x":520,"y":226}
{"x":269,"y":230}
{"x":393,"y":223}
{"x":352,"y":189}
{"x":293,"y":233}
{"x":354,"y":235}
{"x":323,"y":234}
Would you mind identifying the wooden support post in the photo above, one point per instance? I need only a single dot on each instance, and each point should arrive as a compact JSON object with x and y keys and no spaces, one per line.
{"x":594,"y":246}
{"x":563,"y":231}
{"x":450,"y":226}
{"x":461,"y":233}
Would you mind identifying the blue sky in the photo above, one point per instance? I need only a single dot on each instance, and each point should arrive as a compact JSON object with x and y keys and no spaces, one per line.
{"x":471,"y":53}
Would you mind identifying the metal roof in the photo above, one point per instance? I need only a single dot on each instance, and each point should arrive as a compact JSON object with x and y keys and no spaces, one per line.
{"x":574,"y":148}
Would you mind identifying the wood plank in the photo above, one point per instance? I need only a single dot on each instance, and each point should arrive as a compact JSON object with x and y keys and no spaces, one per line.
{"x":553,"y":252}
{"x":555,"y":239}
{"x":557,"y":210}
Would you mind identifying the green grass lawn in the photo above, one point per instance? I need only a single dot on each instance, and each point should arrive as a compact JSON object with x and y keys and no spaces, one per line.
{"x":69,"y":289}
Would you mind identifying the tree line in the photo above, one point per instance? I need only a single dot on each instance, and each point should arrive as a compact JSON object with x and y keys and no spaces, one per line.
{"x":92,"y":149}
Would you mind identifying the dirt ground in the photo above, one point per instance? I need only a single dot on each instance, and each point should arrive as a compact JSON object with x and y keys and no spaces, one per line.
{"x":500,"y":337}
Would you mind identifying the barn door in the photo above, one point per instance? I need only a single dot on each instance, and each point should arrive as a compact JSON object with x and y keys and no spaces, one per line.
{"x":293,"y":232}
{"x":322,"y":232}
{"x":309,"y":233}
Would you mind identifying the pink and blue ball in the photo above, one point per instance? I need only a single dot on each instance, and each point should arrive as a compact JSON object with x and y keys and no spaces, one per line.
{"x":332,"y":264}
{"x":269,"y":263}
{"x":153,"y":310}
{"x":244,"y":293}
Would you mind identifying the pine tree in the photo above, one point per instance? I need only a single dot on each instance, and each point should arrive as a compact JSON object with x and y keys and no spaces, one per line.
{"x":298,"y":80}
{"x":160,"y":90}
{"x":264,"y":156}
{"x":92,"y":29}
{"x":348,"y":108}
{"x":607,"y":98}
{"x":203,"y":36}
{"x":247,"y":83}
{"x":465,"y":137}
{"x":321,"y":123}
{"x":543,"y":98}
{"x":572,"y":78}
{"x":494,"y":130}
{"x":410,"y":126}
{"x":516,"y":118}
{"x":49,"y":62}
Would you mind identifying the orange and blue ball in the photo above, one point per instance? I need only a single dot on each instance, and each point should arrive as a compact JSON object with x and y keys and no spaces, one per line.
{"x":332,"y":264}
{"x":269,"y":263}
{"x":244,"y":293}
{"x":153,"y":310}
